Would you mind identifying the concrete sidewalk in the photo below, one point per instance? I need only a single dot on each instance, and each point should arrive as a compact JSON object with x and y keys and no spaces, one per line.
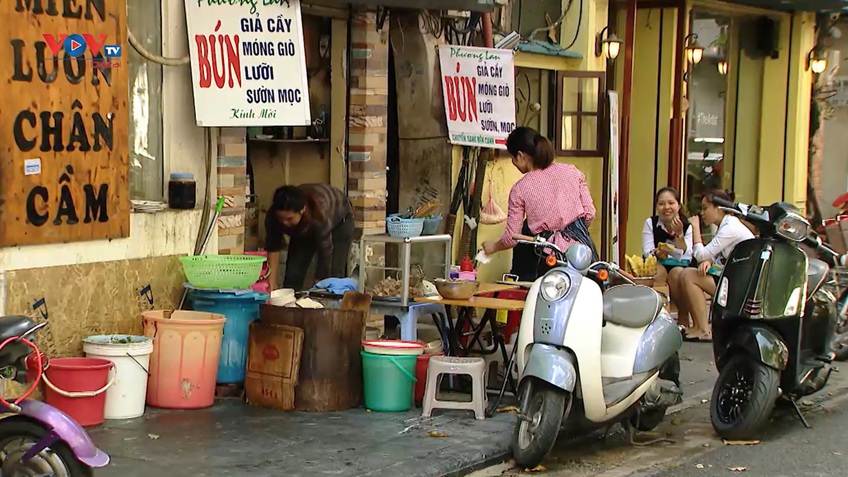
{"x":235,"y":439}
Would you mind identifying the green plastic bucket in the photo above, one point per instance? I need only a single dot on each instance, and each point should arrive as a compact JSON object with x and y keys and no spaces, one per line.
{"x":388,"y":381}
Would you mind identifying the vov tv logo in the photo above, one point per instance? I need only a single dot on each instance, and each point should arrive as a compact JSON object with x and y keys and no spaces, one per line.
{"x":75,"y":45}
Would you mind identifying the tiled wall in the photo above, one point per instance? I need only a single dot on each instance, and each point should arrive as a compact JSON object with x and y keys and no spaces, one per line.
{"x":232,"y":179}
{"x":369,"y":90}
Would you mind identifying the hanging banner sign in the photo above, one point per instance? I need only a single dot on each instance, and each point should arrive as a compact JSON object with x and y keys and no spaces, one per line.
{"x":248,"y":65}
{"x":64,"y":122}
{"x":615,"y":137}
{"x":479,"y":90}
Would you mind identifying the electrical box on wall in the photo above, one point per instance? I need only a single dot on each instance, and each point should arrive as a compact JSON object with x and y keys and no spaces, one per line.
{"x":528,"y":16}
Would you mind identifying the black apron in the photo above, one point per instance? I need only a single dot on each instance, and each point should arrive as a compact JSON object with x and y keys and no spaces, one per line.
{"x":529,"y":266}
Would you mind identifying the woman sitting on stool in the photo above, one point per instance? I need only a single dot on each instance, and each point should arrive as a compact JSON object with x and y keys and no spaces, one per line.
{"x":668,"y":236}
{"x":731,"y":232}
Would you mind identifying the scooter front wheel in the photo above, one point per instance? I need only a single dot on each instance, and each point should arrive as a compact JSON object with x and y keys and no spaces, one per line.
{"x":535,"y":436}
{"x":743,"y":398}
{"x":18,"y":435}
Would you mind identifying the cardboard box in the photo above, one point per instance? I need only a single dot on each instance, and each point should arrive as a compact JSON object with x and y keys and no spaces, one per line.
{"x":273,"y":365}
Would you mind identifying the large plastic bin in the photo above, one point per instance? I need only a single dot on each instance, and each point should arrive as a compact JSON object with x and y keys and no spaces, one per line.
{"x":241,"y":309}
{"x":184,"y":362}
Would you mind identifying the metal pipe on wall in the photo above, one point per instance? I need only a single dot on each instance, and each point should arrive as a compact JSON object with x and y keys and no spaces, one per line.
{"x":468,"y":244}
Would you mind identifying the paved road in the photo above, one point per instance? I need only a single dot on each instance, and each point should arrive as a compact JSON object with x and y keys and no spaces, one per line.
{"x":788,"y":450}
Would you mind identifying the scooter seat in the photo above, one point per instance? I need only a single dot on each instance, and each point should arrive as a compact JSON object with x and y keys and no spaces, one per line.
{"x":14,"y":326}
{"x":631,"y":306}
{"x":816,"y":274}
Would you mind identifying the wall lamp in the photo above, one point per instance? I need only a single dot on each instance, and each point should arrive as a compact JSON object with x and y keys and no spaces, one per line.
{"x":816,"y":64}
{"x":609,"y":47}
{"x":694,"y":52}
{"x":722,"y":67}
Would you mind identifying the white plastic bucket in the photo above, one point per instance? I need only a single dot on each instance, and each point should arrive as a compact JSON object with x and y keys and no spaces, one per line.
{"x":131,"y":356}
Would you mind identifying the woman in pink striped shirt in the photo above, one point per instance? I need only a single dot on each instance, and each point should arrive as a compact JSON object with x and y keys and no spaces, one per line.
{"x":551,"y":200}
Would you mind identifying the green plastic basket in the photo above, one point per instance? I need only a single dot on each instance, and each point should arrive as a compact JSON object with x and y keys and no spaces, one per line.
{"x":222,"y":272}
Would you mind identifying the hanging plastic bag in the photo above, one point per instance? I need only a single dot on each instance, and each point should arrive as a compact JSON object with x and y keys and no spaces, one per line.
{"x":491,"y":213}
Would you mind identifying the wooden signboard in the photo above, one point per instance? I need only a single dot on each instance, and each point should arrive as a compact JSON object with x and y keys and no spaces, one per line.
{"x":64,"y":158}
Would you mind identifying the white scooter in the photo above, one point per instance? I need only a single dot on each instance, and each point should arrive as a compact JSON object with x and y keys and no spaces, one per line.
{"x":589,"y":354}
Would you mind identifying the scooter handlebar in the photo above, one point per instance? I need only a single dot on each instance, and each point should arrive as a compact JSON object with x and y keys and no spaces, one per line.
{"x":524,"y":238}
{"x":724,"y":203}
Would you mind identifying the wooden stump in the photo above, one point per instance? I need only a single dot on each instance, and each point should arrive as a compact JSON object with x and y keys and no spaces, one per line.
{"x":331,"y":366}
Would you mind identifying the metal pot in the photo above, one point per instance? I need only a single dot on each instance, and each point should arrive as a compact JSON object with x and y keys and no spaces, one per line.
{"x":456,"y":290}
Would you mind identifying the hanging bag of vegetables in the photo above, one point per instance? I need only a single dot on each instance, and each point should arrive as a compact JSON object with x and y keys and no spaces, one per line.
{"x":491,"y":213}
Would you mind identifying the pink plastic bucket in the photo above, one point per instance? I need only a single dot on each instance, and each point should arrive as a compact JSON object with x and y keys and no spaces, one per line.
{"x":184,"y":362}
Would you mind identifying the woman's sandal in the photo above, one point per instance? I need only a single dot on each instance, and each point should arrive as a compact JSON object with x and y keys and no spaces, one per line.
{"x":698,"y":339}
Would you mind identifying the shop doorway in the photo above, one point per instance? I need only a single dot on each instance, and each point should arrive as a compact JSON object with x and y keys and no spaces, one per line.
{"x":705,"y":165}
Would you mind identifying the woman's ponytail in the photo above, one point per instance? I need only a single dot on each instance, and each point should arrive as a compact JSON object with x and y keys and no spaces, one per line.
{"x":530,"y":142}
{"x":543,"y":155}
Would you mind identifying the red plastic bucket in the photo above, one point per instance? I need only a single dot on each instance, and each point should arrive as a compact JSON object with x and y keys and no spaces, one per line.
{"x":77,"y":387}
{"x":421,"y":376}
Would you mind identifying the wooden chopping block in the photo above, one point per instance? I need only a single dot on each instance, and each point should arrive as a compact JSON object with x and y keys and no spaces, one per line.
{"x":330,"y":377}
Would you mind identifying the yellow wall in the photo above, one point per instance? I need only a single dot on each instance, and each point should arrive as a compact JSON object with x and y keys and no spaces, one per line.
{"x":798,"y":111}
{"x":767,"y":117}
{"x":772,"y":119}
{"x":653,"y":85}
{"x":759,"y":113}
{"x":746,"y":152}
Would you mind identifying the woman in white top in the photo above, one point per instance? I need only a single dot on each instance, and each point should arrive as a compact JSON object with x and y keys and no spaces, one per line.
{"x":731,"y":231}
{"x":668,"y":236}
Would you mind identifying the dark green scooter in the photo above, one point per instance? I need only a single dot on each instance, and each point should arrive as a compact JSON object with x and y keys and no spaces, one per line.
{"x":772,"y":321}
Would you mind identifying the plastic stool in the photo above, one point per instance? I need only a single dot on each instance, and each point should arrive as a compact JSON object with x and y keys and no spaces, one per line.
{"x":474,"y":367}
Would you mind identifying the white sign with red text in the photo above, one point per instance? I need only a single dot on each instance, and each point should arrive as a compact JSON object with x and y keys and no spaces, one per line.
{"x":248,"y":66}
{"x":479,"y":91}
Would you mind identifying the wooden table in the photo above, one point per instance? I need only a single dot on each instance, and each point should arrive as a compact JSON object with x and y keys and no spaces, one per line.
{"x":491,"y":307}
{"x":496,"y":288}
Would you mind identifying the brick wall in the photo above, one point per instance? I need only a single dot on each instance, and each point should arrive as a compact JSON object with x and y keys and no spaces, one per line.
{"x":369,"y":90}
{"x":232,"y":179}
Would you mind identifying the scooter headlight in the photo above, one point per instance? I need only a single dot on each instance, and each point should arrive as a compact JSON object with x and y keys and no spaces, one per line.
{"x":793,"y":227}
{"x":555,"y":285}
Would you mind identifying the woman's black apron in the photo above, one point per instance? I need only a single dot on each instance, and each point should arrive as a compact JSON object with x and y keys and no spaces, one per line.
{"x":529,"y":266}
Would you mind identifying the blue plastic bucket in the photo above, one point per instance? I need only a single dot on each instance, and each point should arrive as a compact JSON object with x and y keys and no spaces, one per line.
{"x":241,"y":310}
{"x":388,"y":381}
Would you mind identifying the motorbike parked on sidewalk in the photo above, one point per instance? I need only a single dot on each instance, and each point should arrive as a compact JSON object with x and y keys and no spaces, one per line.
{"x":772,"y":321}
{"x":589,"y":354}
{"x":839,"y":287}
{"x":37,"y":439}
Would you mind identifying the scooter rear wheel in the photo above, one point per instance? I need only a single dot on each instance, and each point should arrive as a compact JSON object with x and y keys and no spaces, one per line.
{"x":18,"y":435}
{"x":533,"y":440}
{"x":743,"y":398}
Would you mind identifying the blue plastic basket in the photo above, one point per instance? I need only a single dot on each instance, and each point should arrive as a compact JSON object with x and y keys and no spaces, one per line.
{"x":431,"y":226}
{"x":404,"y":228}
